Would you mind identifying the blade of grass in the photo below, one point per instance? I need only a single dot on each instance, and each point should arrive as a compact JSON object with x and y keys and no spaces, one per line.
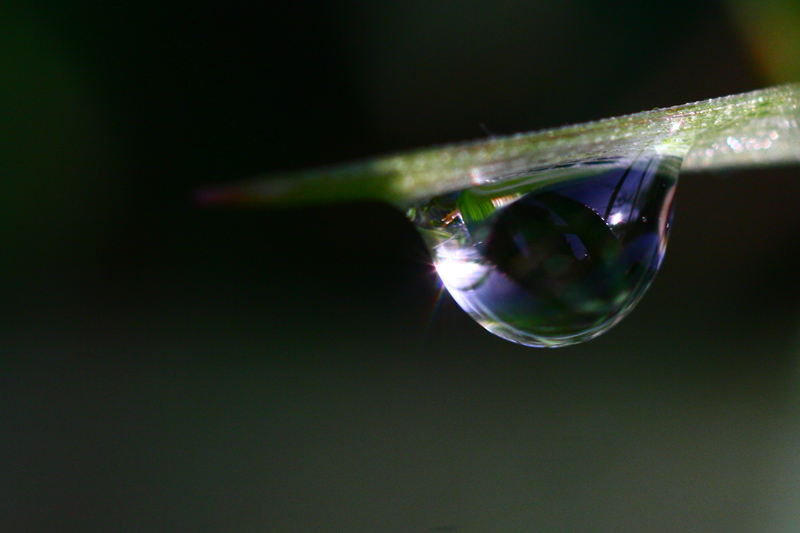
{"x":751,"y":129}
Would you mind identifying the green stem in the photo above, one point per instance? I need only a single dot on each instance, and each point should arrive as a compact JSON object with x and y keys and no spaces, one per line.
{"x":751,"y":129}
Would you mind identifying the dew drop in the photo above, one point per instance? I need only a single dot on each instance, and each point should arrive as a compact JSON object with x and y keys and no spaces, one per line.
{"x":551,"y":264}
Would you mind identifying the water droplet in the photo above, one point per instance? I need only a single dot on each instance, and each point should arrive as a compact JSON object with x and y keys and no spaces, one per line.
{"x":551,"y":264}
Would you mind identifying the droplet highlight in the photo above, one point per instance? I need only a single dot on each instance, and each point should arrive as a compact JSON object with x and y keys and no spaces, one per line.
{"x":555,"y":256}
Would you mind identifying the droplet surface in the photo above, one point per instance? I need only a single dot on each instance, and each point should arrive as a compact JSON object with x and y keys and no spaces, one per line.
{"x":553,"y":264}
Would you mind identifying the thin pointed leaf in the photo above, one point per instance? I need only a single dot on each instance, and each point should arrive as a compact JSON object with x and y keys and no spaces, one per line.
{"x":751,"y":129}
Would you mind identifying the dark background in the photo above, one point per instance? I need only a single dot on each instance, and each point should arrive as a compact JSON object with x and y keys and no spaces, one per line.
{"x":165,"y":367}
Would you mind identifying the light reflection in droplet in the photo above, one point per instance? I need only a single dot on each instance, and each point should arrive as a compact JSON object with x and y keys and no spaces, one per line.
{"x":558,"y":264}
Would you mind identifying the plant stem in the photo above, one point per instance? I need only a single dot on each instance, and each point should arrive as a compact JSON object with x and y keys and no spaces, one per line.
{"x":752,"y":129}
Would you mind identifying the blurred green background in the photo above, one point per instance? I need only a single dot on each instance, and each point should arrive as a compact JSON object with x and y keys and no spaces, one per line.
{"x":165,"y":367}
